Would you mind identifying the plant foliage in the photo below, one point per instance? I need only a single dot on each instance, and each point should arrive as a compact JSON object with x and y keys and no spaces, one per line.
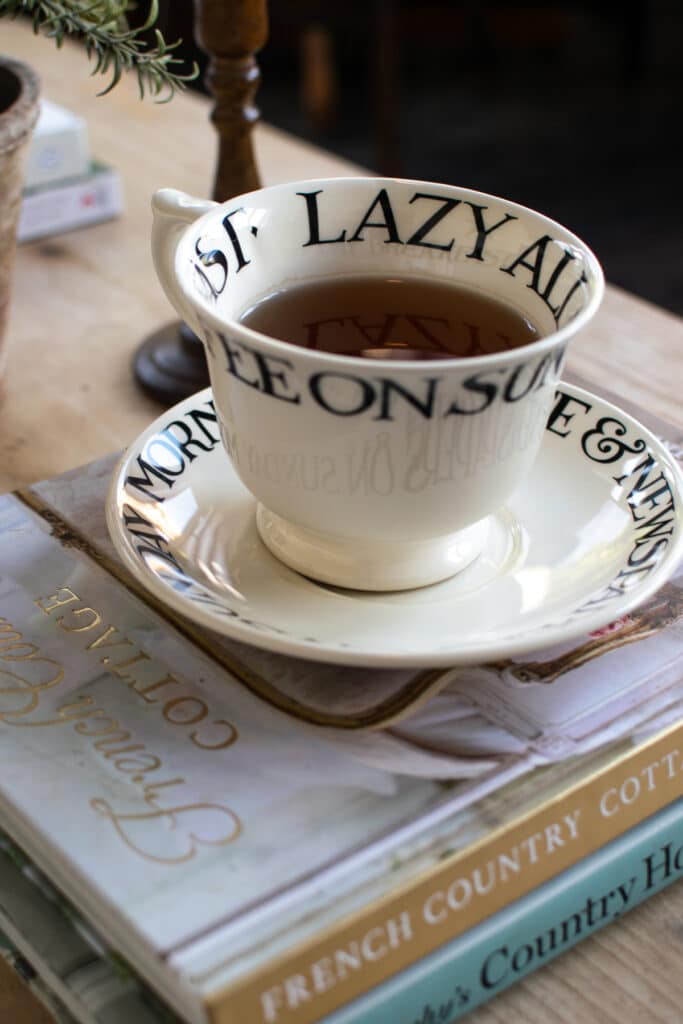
{"x":110,"y":43}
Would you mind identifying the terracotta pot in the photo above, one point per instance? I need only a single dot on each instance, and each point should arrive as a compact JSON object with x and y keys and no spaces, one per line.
{"x":19,"y":96}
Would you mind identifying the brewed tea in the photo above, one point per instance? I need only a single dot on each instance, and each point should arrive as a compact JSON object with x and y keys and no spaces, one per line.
{"x":390,"y":318}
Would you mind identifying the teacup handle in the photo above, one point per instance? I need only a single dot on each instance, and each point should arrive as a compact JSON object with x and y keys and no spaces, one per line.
{"x":173,"y":211}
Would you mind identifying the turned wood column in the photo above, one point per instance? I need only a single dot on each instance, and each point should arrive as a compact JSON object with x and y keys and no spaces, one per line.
{"x":170,"y":365}
{"x":231,"y":32}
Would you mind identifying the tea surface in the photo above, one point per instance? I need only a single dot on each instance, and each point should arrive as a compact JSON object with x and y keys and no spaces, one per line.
{"x":390,"y":318}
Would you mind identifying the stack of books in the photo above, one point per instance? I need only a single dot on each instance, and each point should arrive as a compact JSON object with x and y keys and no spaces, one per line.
{"x":64,"y":188}
{"x":179,"y":842}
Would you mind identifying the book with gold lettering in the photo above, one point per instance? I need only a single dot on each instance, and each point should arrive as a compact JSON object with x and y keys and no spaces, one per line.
{"x":49,"y":946}
{"x":266,"y":839}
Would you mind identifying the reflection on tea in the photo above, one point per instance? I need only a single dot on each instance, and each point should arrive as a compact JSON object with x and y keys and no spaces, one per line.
{"x":390,"y":318}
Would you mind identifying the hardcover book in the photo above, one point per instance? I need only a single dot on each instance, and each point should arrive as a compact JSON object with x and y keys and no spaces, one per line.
{"x":266,"y":839}
{"x":72,"y":202}
{"x":49,"y":947}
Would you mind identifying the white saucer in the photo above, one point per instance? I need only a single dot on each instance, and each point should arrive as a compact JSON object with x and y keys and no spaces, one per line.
{"x":593,"y":533}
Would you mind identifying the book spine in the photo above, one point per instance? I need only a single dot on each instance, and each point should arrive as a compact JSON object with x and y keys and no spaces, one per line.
{"x":323,"y":974}
{"x":49,"y":945}
{"x":532,"y":932}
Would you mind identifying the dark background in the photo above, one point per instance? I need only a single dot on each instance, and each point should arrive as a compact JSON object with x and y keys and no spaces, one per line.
{"x":571,"y":108}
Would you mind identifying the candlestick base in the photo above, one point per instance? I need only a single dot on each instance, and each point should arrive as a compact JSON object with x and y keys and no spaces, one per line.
{"x":170,"y":365}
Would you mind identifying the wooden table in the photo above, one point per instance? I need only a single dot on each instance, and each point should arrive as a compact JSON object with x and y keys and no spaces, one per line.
{"x":82,"y":304}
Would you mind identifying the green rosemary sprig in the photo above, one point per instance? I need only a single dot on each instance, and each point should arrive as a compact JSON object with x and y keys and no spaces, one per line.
{"x":111,"y":45}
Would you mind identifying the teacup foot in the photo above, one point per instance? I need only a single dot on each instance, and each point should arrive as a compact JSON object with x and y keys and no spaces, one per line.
{"x":369,"y":565}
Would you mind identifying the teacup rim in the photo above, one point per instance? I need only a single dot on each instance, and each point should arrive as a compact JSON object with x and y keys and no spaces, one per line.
{"x":281,"y":348}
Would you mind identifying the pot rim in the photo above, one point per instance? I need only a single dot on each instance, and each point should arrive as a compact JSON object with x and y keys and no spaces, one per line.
{"x":17,"y":121}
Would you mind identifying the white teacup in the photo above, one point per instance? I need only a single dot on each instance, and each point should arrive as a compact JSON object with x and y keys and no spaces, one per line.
{"x":371,"y":474}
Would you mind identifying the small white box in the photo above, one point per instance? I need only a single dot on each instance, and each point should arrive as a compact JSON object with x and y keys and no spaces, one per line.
{"x":59,"y":148}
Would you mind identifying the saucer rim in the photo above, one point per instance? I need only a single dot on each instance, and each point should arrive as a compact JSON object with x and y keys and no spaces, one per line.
{"x":172,"y":602}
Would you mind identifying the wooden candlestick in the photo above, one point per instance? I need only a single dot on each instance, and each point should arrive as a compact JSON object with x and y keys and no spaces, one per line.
{"x":231,"y":33}
{"x":170,"y":365}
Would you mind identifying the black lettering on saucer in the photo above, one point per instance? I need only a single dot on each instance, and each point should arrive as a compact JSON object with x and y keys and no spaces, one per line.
{"x":560,"y":415}
{"x":603,"y":446}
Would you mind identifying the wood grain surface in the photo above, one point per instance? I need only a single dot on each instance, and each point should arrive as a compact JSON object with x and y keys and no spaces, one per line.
{"x":82,"y":304}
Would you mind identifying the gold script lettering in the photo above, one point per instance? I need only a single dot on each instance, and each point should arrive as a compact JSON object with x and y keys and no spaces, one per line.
{"x":110,"y":725}
{"x":8,"y":629}
{"x":81,"y":708}
{"x":174,"y":818}
{"x":24,"y":687}
{"x":182,"y":710}
{"x":193,"y":825}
